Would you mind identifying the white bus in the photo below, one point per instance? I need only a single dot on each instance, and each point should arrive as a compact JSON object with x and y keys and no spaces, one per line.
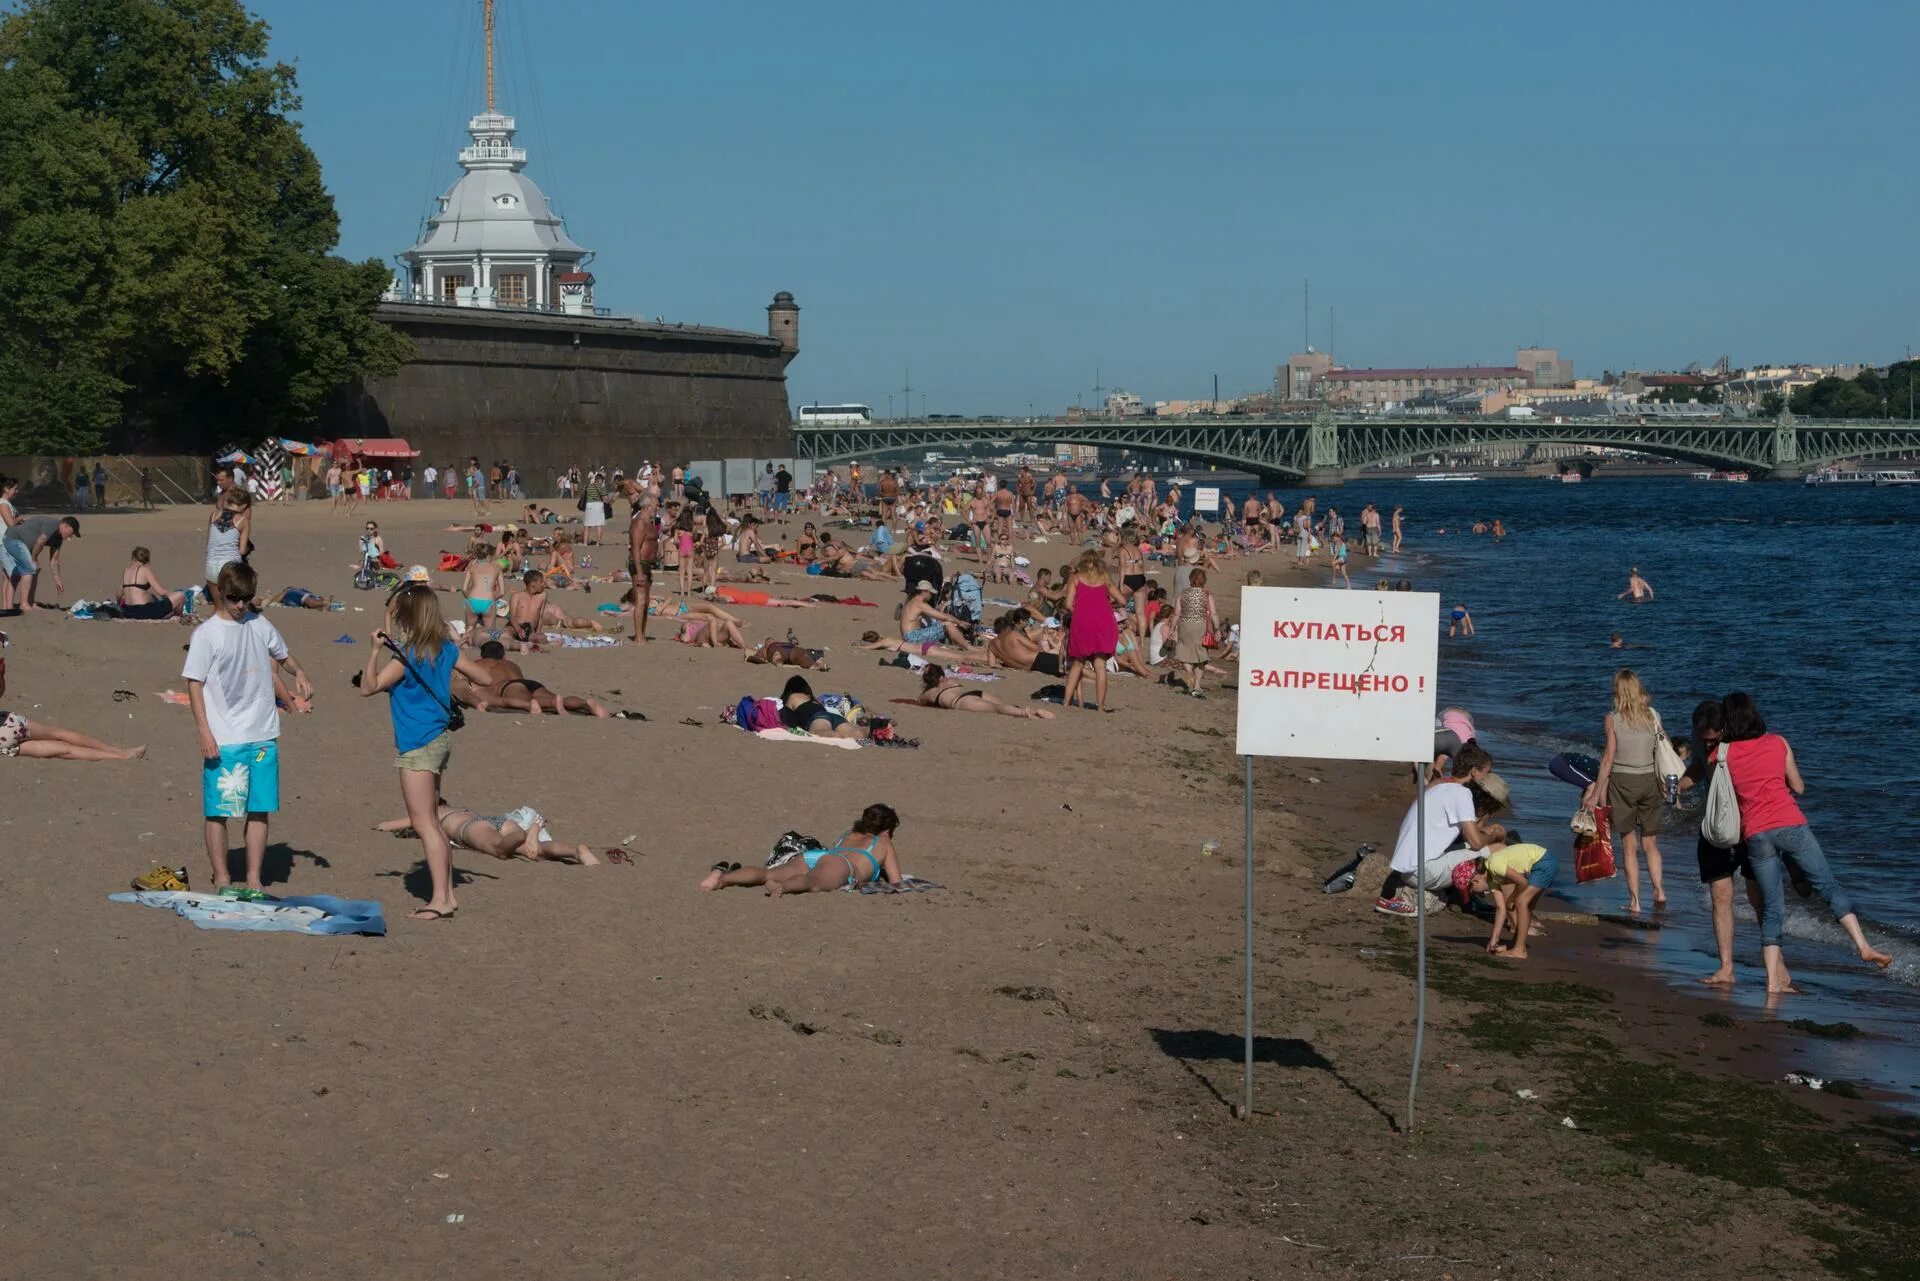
{"x":835,"y":415}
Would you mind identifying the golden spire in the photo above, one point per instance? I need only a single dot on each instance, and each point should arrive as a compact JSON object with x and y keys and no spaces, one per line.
{"x":489,"y":25}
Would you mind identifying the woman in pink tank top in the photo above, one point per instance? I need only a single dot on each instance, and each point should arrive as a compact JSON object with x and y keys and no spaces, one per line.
{"x":1766,"y":780}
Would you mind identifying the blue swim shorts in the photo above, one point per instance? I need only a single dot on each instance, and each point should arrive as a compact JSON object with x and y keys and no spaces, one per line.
{"x":245,"y":780}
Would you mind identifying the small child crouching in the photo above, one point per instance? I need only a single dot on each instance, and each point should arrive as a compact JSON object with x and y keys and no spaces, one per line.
{"x":1516,"y":875}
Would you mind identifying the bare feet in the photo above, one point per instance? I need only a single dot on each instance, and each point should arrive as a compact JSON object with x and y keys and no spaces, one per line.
{"x":137,"y":753}
{"x":1513,"y":953}
{"x":1719,"y":978}
{"x":1632,"y":907}
{"x":589,"y":859}
{"x":1874,"y":957}
{"x":531,"y":846}
{"x":599,"y":709}
{"x":775,"y":889}
{"x":1039,"y":714}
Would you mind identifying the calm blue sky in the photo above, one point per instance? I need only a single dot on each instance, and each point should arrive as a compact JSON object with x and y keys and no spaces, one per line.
{"x":1011,"y":197}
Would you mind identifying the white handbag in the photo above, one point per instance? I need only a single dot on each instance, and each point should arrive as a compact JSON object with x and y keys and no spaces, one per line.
{"x":1666,"y":761}
{"x":1720,"y":821}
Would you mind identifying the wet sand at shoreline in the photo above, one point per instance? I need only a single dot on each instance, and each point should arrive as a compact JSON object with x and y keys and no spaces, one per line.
{"x":609,"y":1074}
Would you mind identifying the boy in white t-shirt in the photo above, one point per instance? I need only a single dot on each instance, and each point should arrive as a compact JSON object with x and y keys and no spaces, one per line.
{"x":229,"y":673}
{"x":1450,"y":816}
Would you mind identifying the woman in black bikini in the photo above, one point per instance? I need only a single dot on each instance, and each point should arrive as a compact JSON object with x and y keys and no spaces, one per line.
{"x":938,"y":690}
{"x":141,"y":595}
{"x":800,"y":710}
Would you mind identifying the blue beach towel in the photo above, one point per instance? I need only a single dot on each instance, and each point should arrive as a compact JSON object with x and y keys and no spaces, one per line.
{"x":300,"y":914}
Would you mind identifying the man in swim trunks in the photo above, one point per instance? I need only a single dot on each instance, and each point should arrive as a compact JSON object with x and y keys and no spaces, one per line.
{"x":510,"y":690}
{"x":922,"y":624}
{"x":643,"y":550}
{"x":519,"y":832}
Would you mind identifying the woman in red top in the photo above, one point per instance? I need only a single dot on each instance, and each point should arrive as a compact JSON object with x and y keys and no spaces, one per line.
{"x":1766,"y":780}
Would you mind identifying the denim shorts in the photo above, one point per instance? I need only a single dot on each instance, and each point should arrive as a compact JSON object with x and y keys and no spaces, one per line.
{"x":1543,"y":872}
{"x":15,"y":557}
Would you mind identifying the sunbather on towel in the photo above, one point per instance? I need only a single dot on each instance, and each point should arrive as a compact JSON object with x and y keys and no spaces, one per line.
{"x":933,"y":651}
{"x":519,"y":832}
{"x":778,"y":653}
{"x":865,"y":853}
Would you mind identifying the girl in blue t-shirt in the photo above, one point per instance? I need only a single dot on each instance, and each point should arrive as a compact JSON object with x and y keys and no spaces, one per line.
{"x":418,"y":681}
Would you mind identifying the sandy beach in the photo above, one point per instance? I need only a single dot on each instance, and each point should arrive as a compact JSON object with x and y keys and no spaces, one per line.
{"x":600,"y":1072}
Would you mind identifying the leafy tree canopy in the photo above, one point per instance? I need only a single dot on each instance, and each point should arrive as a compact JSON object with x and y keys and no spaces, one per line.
{"x":165,"y":236}
{"x":1871,"y":395}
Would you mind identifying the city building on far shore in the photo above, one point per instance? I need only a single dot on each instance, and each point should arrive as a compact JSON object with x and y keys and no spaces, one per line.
{"x":1315,"y":375}
{"x":1125,"y":404}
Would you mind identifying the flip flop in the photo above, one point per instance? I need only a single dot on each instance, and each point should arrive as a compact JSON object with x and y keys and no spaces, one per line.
{"x":430,"y":914}
{"x":619,"y":856}
{"x":724,"y":868}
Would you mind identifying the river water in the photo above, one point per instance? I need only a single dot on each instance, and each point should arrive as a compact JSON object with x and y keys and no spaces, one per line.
{"x":1798,"y":594}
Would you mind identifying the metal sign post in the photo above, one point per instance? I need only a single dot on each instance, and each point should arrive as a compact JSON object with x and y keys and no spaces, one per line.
{"x":1420,"y":942}
{"x":1338,"y":675}
{"x":1246,"y":1077}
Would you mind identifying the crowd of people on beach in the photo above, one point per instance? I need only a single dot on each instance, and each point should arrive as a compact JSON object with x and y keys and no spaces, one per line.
{"x":968,"y":611}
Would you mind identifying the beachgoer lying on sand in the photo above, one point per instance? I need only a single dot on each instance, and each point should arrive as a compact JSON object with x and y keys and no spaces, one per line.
{"x":929,"y":650}
{"x":37,"y":740}
{"x":511,"y":690}
{"x":722,"y":574}
{"x":777,"y":653}
{"x":741,"y":596}
{"x":1021,"y":642}
{"x":937,"y":689}
{"x":704,"y":624}
{"x":865,"y":853}
{"x":521,"y":833}
{"x":299,"y":598}
{"x":800,"y":710}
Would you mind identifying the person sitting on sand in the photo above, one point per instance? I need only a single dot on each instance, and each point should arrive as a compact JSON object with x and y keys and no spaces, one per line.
{"x":560,"y":571}
{"x":789,"y":653}
{"x":921,"y":622}
{"x":531,"y":611}
{"x":141,"y":595}
{"x":864,"y":853}
{"x":37,"y":740}
{"x":484,"y":584}
{"x":511,"y":690}
{"x":937,"y":689}
{"x":930,"y":651}
{"x":520,"y":832}
{"x":1516,"y":874}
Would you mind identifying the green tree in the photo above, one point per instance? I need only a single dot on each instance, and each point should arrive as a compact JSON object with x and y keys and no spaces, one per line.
{"x":1834,"y":397}
{"x":194,"y":295}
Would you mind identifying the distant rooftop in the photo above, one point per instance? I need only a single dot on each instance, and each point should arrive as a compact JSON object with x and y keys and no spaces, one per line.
{"x":1438,"y":371}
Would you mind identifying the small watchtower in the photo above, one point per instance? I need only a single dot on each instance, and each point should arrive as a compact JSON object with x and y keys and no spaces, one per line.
{"x":783,"y":322}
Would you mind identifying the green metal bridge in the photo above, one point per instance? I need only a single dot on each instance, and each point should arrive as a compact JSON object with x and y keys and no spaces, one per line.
{"x":1326,"y":450}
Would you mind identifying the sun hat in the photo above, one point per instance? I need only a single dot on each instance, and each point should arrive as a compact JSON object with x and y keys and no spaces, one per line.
{"x":1496,"y":787}
{"x":923,"y":586}
{"x":418,"y":574}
